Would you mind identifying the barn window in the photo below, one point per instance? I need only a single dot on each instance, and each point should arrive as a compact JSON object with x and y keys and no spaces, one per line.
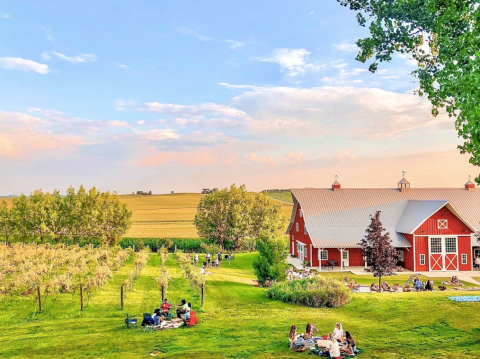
{"x":304,"y":229}
{"x":435,"y":245}
{"x":305,"y":252}
{"x":401,"y":256}
{"x":296,"y":226}
{"x":293,"y":238}
{"x":301,"y":212}
{"x":422,"y":259}
{"x":450,"y":245}
{"x":464,"y":259}
{"x":442,"y":224}
{"x":324,"y":255}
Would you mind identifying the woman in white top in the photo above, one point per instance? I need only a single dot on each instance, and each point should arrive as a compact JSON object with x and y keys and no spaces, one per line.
{"x":202,"y":271}
{"x":338,"y":332}
{"x":333,"y":348}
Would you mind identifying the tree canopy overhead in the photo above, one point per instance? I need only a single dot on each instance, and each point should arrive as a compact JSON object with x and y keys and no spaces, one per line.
{"x":443,"y":36}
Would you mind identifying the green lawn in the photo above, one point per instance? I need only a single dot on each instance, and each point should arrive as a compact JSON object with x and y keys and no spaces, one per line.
{"x":238,"y":321}
{"x":285,"y":196}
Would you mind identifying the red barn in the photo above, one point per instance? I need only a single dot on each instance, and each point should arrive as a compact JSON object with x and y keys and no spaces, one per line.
{"x":433,"y":228}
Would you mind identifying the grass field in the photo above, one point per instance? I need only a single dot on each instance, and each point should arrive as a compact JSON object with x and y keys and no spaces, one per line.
{"x":285,"y":196}
{"x":168,"y":216}
{"x":238,"y":321}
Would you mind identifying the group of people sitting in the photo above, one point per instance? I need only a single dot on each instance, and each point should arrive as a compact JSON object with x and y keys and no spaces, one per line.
{"x":332,"y":345}
{"x":160,"y":315}
{"x":454,"y":281}
{"x":339,"y":342}
{"x":418,"y":285}
{"x":385,"y":287}
{"x":294,"y":274}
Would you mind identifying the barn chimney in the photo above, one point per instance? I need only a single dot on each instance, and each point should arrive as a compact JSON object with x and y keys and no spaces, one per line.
{"x":404,"y":185}
{"x":335,"y":185}
{"x":470,"y":186}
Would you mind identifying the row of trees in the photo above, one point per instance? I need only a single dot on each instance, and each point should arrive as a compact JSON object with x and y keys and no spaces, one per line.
{"x":81,"y":214}
{"x":231,"y":217}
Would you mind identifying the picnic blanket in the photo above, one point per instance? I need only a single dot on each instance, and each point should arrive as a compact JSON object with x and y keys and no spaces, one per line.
{"x":465,"y":298}
{"x":174,"y":324}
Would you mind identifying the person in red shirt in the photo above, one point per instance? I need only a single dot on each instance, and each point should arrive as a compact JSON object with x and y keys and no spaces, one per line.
{"x":165,"y":307}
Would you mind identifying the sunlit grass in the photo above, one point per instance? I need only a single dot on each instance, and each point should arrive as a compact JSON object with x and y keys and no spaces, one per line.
{"x":238,"y":321}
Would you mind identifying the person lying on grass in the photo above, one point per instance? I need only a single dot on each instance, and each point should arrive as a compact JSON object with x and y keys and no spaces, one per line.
{"x":181,"y":308}
{"x":165,"y":307}
{"x":374,"y":287}
{"x":333,"y":349}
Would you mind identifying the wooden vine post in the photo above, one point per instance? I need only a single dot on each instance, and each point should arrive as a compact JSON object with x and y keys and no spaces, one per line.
{"x":39,"y":299}
{"x":203,"y":293}
{"x":121,"y":297}
{"x":81,"y":297}
{"x":163,"y":293}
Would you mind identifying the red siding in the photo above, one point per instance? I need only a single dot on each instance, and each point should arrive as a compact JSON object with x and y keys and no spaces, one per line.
{"x":421,"y":247}
{"x":455,"y":226}
{"x":408,"y":256}
{"x":300,"y":236}
{"x":464,"y":247}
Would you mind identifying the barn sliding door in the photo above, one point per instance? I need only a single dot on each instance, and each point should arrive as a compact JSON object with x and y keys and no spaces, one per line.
{"x":443,"y":253}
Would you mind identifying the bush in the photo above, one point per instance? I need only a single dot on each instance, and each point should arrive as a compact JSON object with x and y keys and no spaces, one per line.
{"x":186,"y":245}
{"x":271,"y":266}
{"x":316,"y":292}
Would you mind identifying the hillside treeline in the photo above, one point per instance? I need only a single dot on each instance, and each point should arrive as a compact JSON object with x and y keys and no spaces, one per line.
{"x":77,"y":216}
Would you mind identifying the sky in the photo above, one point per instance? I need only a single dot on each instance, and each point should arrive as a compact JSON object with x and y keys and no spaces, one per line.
{"x":185,"y":95}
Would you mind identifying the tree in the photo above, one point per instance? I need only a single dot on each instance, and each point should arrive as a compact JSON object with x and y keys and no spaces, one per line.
{"x":236,"y":215}
{"x":378,"y":250}
{"x":22,"y":217}
{"x":443,"y":36}
{"x":271,"y":263}
{"x":6,"y":222}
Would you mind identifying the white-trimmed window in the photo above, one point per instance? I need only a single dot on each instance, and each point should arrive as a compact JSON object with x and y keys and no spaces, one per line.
{"x":464,"y":258}
{"x":298,"y":247}
{"x":301,"y":212}
{"x":401,"y":256}
{"x":422,"y":259}
{"x":451,"y":245}
{"x":305,"y":252}
{"x":296,"y":226}
{"x":304,"y":229}
{"x":293,"y":239}
{"x":442,"y":223}
{"x":435,"y":245}
{"x":324,"y":255}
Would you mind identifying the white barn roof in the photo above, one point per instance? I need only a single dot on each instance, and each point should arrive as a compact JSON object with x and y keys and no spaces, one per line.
{"x":337,"y":219}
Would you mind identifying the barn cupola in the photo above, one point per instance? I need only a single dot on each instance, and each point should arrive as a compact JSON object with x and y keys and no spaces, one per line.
{"x":404,"y":185}
{"x":336,"y":185}
{"x":470,"y":186}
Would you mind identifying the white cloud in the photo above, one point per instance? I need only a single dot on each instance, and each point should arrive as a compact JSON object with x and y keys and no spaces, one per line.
{"x":230,"y":86}
{"x":346,"y":46}
{"x":234,"y":44}
{"x":142,"y":122}
{"x":186,"y":31}
{"x":118,"y":124}
{"x":161,"y":135}
{"x":205,"y":109}
{"x":265,"y":159}
{"x":74,"y":59}
{"x":293,"y":61}
{"x":34,"y":109}
{"x":122,"y":104}
{"x":123,"y":66}
{"x":45,"y":56}
{"x":4,"y":15}
{"x":293,"y":157}
{"x":17,"y":63}
{"x":344,"y":155}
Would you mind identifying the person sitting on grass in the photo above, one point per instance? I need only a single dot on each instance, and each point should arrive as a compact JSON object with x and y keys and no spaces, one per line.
{"x":187,"y":313}
{"x":338,"y":332}
{"x":429,"y":285}
{"x":418,"y":284}
{"x":333,"y":349}
{"x":386,"y":287}
{"x":202,"y":270}
{"x":351,"y":348}
{"x":165,"y":306}
{"x":181,"y":308}
{"x":150,"y":320}
{"x":374,"y":287}
{"x":217,"y":263}
{"x":158,"y":317}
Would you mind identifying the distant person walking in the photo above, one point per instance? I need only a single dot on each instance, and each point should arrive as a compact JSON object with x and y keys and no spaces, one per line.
{"x":219,"y":256}
{"x":228,"y":258}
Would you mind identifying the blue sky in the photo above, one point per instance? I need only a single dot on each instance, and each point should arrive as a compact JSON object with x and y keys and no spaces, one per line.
{"x":183,"y":95}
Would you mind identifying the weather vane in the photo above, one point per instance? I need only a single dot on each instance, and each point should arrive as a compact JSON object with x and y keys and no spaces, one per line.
{"x":336,"y":177}
{"x":469,"y":177}
{"x":404,"y":173}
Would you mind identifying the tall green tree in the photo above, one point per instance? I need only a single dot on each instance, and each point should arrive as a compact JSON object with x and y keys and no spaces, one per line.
{"x":236,"y":215}
{"x":22,"y":218}
{"x":443,"y":36}
{"x":6,"y":222}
